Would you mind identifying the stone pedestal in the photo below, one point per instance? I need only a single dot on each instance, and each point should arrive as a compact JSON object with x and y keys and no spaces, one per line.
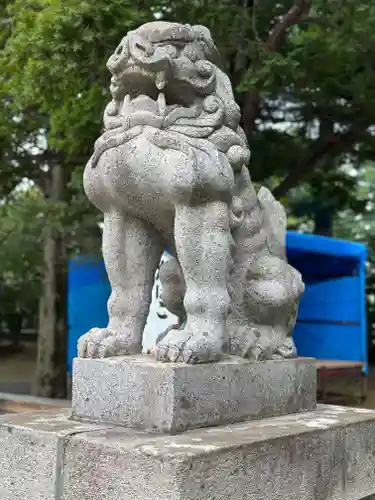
{"x":328,"y":453}
{"x":308,"y":452}
{"x":139,"y":392}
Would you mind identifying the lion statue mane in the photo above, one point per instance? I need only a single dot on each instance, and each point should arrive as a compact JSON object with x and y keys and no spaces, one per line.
{"x":170,"y":170}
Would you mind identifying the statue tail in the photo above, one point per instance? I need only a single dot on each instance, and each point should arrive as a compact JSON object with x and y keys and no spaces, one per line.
{"x":276,"y":220}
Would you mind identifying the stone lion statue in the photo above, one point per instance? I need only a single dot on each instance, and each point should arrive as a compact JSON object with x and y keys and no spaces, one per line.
{"x":170,"y":171}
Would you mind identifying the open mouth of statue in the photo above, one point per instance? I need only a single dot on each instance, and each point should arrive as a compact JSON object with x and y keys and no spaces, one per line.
{"x":139,"y":91}
{"x":136,"y":81}
{"x":141,"y":102}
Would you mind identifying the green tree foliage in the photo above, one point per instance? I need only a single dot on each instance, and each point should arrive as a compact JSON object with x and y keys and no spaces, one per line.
{"x":299,"y":63}
{"x":304,"y":79}
{"x":21,"y":223}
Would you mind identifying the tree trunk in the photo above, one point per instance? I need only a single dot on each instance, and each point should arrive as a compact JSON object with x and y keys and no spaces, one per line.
{"x":323,"y":220}
{"x":51,"y":376}
{"x":14,"y":323}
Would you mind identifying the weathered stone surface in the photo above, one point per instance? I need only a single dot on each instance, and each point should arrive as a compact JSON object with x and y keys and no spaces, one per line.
{"x":137,"y":391}
{"x":326,"y":454}
{"x":31,"y":452}
{"x":170,"y":168}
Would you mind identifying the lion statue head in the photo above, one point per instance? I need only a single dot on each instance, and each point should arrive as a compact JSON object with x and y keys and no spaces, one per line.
{"x":168,"y":75}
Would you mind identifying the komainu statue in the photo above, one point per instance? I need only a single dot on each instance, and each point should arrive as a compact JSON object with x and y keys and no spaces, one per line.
{"x":170,"y":170}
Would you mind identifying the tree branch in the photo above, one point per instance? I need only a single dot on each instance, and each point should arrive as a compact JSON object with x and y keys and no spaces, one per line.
{"x":320,"y":152}
{"x":251,"y":112}
{"x":274,"y":42}
{"x":294,"y":16}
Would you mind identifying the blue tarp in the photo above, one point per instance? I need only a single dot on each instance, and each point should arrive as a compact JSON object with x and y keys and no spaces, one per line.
{"x":332,"y":315}
{"x":299,"y":243}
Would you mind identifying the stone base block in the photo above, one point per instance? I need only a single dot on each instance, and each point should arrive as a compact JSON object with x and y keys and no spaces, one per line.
{"x":326,"y":454}
{"x":139,"y":392}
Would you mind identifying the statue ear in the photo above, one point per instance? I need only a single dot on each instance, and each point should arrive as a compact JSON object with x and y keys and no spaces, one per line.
{"x":203,"y":34}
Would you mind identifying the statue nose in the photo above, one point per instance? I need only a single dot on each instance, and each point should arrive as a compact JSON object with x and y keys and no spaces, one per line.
{"x":122,"y":49}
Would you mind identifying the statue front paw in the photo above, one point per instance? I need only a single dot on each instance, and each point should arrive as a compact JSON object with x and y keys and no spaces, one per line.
{"x":105,"y":343}
{"x":190,"y":345}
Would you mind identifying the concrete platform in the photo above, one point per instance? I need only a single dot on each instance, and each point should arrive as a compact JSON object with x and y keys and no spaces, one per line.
{"x":31,"y":447}
{"x":139,"y":392}
{"x":326,"y":454}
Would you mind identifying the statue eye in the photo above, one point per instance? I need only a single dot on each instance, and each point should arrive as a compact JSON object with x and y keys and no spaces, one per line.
{"x":147,"y":48}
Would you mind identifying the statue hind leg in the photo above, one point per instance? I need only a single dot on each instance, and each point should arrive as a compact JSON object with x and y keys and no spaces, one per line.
{"x":202,"y":239}
{"x":131,"y":252}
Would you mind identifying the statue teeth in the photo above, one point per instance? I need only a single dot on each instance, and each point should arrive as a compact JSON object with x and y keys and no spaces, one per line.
{"x":161,"y":104}
{"x":126,"y":105}
{"x":160,"y":80}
